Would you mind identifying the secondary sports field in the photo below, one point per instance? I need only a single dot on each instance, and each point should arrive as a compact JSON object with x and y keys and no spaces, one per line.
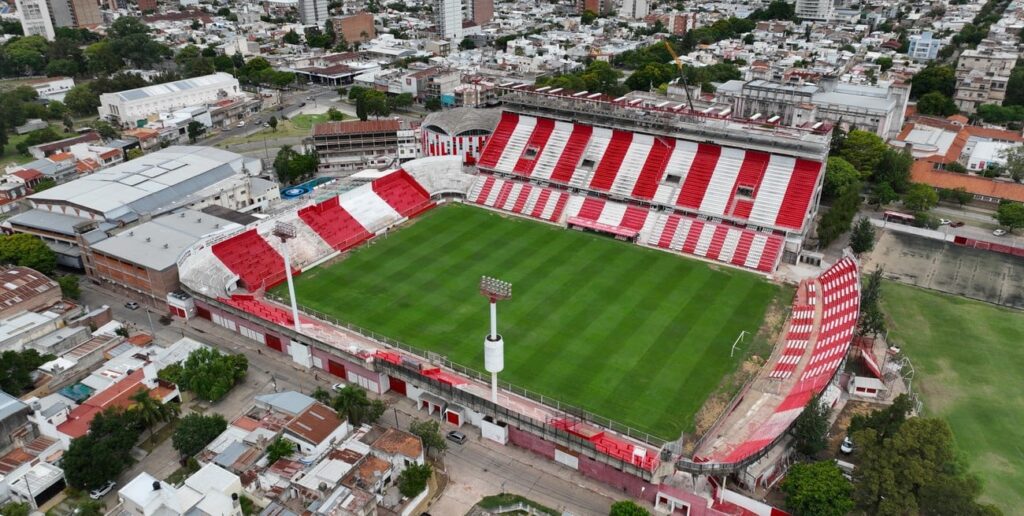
{"x":633,"y":334}
{"x":968,"y":357}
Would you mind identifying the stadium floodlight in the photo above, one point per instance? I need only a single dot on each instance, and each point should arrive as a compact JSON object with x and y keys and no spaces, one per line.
{"x":494,"y":347}
{"x":286,"y":231}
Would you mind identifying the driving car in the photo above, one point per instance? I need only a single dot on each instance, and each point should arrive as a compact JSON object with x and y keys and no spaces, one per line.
{"x":457,"y":437}
{"x":956,"y":224}
{"x":101,"y":491}
{"x":131,"y":305}
{"x":944,"y":222}
{"x":999,"y":232}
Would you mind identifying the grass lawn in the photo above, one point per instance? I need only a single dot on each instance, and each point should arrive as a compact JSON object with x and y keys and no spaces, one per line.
{"x":968,"y":357}
{"x":298,"y":126}
{"x":637,"y":335}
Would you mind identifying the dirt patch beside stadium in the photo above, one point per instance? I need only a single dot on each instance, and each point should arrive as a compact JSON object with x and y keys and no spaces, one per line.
{"x":974,"y":273}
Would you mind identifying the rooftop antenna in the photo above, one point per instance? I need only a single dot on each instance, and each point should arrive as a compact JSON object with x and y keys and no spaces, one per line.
{"x":286,"y":231}
{"x":494,"y":347}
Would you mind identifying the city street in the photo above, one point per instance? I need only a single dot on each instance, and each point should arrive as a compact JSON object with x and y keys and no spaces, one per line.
{"x":476,"y":469}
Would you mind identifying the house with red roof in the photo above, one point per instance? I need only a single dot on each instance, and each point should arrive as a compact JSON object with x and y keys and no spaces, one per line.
{"x":118,"y":395}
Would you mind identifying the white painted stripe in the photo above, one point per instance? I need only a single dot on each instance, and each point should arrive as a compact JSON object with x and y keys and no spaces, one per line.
{"x":682,"y":231}
{"x":756,"y":248}
{"x":772,"y":191}
{"x":510,"y":201}
{"x":531,"y":201}
{"x":732,"y":238}
{"x":548,"y":157}
{"x":492,"y":196}
{"x":704,"y":242}
{"x":612,"y":214}
{"x":516,"y":144}
{"x":549,"y":208}
{"x":632,"y":164}
{"x":682,"y":158}
{"x":368,"y":208}
{"x":723,"y":180}
{"x":599,"y":141}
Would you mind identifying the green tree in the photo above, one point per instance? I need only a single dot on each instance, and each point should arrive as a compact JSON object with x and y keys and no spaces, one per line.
{"x":272,"y":123}
{"x":588,"y":17}
{"x":150,"y":411}
{"x":400,"y":101}
{"x":627,"y":508}
{"x":651,"y":76}
{"x":863,"y":150}
{"x":43,"y":185}
{"x":862,"y":238}
{"x":1010,"y":215}
{"x":466,"y":44}
{"x":920,"y":198}
{"x":893,"y":167}
{"x":195,"y":130}
{"x":432,"y":104}
{"x":56,"y":110}
{"x":839,"y":176}
{"x":811,"y":428}
{"x":69,"y":286}
{"x":885,"y":63}
{"x":817,"y":489}
{"x":838,"y":218}
{"x":872,"y":321}
{"x":335,"y":115}
{"x":292,"y":38}
{"x":101,"y":58}
{"x":935,"y":103}
{"x":211,"y":374}
{"x":247,"y":505}
{"x":134,"y":153}
{"x":81,"y":100}
{"x":413,"y":480}
{"x":374,"y":103}
{"x":882,"y":194}
{"x":103,"y":453}
{"x":16,"y":509}
{"x":934,"y":78}
{"x":27,"y":251}
{"x":1014,"y":166}
{"x":429,"y":432}
{"x":16,"y":368}
{"x":106,"y":130}
{"x":195,"y":431}
{"x":887,"y":421}
{"x":320,"y":394}
{"x":279,"y":449}
{"x":352,"y":403}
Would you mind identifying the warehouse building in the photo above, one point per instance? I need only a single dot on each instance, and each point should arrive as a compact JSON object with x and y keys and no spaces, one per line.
{"x":131,"y":108}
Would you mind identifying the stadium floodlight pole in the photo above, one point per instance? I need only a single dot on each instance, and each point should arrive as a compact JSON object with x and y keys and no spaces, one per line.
{"x":494,"y":347}
{"x":286,"y":231}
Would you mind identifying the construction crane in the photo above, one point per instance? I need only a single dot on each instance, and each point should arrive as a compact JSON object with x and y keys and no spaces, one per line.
{"x":679,"y":64}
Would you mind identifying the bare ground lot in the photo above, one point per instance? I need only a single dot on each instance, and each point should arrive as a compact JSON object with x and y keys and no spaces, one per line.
{"x":973,"y":273}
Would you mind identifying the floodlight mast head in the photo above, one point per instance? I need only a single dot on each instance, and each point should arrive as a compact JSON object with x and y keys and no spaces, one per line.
{"x":286,"y":231}
{"x":495,"y":289}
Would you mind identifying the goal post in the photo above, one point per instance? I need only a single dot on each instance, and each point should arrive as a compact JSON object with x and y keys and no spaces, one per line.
{"x":736,"y":342}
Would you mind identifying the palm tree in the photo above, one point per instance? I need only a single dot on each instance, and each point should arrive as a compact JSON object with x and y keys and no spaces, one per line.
{"x":150,"y":411}
{"x":349,"y":403}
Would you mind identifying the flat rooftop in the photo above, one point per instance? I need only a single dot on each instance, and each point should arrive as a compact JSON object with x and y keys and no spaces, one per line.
{"x":157,"y":244}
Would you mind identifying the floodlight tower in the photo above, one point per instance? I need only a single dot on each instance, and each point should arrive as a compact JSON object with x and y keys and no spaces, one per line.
{"x":286,"y":231}
{"x":494,"y":347}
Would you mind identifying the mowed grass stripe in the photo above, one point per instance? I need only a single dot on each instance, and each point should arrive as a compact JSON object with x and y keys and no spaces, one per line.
{"x":632,"y":334}
{"x":968,"y":357}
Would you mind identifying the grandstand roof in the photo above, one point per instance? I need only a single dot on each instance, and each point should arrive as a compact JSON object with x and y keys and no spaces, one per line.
{"x":158,"y":244}
{"x":148,"y":184}
{"x":459,"y":120}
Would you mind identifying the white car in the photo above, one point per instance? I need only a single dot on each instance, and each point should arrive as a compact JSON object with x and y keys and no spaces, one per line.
{"x":339,"y":386}
{"x":944,"y":222}
{"x":999,"y":232}
{"x":101,"y":491}
{"x":241,"y":123}
{"x":847,"y":446}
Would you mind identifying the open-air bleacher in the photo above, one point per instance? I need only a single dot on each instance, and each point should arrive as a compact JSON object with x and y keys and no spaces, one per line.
{"x":257,"y":264}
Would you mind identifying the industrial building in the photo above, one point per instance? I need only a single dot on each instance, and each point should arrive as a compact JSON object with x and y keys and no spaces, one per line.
{"x":131,"y":108}
{"x":178,"y":177}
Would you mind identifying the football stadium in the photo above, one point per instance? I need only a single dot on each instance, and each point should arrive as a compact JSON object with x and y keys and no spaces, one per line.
{"x":625,"y":248}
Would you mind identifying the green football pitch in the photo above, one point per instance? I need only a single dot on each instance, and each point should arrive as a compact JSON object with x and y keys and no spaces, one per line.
{"x":967,"y":356}
{"x":636,"y":335}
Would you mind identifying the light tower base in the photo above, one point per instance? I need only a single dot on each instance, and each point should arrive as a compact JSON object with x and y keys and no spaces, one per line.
{"x":494,"y":361}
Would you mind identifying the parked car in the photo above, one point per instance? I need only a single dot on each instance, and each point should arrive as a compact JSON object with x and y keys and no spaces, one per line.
{"x":339,"y":386}
{"x":101,"y":491}
{"x":241,"y":123}
{"x":131,"y":305}
{"x":999,"y":232}
{"x":457,"y":437}
{"x":944,"y":222}
{"x":956,"y":224}
{"x":847,"y":446}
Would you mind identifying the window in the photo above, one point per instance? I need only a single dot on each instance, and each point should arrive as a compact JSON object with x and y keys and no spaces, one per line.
{"x":588,"y":164}
{"x":531,"y":153}
{"x":745,"y":191}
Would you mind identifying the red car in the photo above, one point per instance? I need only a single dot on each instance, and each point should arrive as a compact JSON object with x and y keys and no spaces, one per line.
{"x":955,"y":224}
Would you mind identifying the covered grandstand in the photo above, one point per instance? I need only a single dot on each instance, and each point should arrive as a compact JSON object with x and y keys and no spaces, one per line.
{"x":457,"y":132}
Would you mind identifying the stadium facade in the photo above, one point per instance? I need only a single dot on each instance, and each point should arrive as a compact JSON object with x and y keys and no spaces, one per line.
{"x":659,"y":176}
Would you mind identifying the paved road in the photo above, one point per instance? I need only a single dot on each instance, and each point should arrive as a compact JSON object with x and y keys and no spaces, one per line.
{"x":476,"y":469}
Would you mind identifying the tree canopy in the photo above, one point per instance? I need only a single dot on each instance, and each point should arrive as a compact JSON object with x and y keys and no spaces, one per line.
{"x":195,"y":431}
{"x":627,"y":508}
{"x":920,"y":197}
{"x":934,"y":78}
{"x":352,"y":403}
{"x":413,"y":480}
{"x":27,"y":251}
{"x":16,"y":368}
{"x":862,"y":238}
{"x":104,"y":452}
{"x":211,"y":374}
{"x":1010,"y":215}
{"x":279,"y":449}
{"x":429,"y":432}
{"x":840,"y":175}
{"x":863,"y":150}
{"x":811,"y":428}
{"x":294,"y":167}
{"x":935,"y":103}
{"x":817,"y":489}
